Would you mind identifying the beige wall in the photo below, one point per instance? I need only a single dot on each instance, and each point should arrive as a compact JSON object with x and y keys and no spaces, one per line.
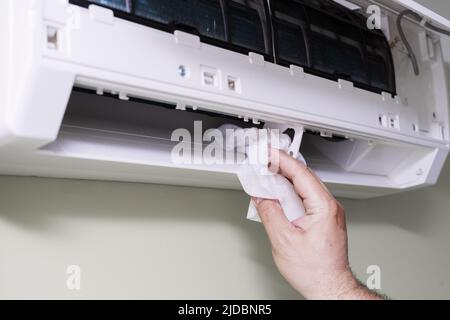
{"x":150,"y":241}
{"x":440,"y":6}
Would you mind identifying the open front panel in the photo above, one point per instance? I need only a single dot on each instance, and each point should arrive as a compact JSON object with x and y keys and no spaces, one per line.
{"x":137,"y":117}
{"x":323,"y":37}
{"x":142,"y":129}
{"x":400,"y":163}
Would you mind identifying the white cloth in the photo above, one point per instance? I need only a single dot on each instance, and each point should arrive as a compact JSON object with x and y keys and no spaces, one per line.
{"x":255,"y":177}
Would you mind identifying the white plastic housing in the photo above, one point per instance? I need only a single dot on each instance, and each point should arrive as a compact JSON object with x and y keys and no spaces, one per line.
{"x":49,"y":47}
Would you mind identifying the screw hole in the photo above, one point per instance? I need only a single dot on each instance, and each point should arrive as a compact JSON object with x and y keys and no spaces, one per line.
{"x":182,"y":71}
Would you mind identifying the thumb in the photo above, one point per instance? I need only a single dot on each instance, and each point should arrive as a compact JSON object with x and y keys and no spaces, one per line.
{"x":273,"y":219}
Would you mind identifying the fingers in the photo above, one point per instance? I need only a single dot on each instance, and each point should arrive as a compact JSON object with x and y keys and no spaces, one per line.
{"x":273,"y":218}
{"x":305,"y":182}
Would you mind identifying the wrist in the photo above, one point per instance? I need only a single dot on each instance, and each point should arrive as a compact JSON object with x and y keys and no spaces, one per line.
{"x":348,"y":287}
{"x":340,"y":285}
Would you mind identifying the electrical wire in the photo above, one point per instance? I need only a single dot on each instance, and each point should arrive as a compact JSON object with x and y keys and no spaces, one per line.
{"x":405,"y":41}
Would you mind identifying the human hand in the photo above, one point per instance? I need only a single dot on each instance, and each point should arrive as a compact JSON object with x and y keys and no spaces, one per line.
{"x":311,"y":253}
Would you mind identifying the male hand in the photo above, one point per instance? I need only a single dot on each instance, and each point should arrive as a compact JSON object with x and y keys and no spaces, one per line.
{"x":311,"y":253}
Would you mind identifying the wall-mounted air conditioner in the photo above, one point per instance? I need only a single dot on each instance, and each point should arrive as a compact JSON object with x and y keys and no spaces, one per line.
{"x":94,"y":89}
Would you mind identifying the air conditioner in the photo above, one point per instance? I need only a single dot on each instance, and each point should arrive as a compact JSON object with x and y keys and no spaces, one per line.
{"x":94,"y":89}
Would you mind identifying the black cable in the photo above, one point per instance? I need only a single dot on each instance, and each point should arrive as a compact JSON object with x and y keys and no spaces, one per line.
{"x":405,"y":41}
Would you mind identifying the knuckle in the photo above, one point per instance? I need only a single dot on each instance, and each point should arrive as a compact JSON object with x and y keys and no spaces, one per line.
{"x":332,"y":206}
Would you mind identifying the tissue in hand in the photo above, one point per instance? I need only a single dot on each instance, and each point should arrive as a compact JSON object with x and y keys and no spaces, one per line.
{"x":256,"y":179}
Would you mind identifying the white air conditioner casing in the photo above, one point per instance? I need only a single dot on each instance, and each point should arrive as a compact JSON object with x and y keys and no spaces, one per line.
{"x":50,"y":46}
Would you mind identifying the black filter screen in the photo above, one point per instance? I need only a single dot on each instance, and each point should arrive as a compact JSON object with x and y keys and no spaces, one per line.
{"x":352,"y":63}
{"x":323,"y":37}
{"x":239,"y":25}
{"x":329,"y":7}
{"x":158,"y":10}
{"x":381,"y":70}
{"x":337,"y":48}
{"x":246,"y":26}
{"x":289,"y":24}
{"x":291,"y":44}
{"x":326,"y":55}
{"x":205,"y":16}
{"x":331,"y":41}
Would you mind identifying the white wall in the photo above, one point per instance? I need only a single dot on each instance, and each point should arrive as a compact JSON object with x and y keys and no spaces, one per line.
{"x":148,"y":241}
